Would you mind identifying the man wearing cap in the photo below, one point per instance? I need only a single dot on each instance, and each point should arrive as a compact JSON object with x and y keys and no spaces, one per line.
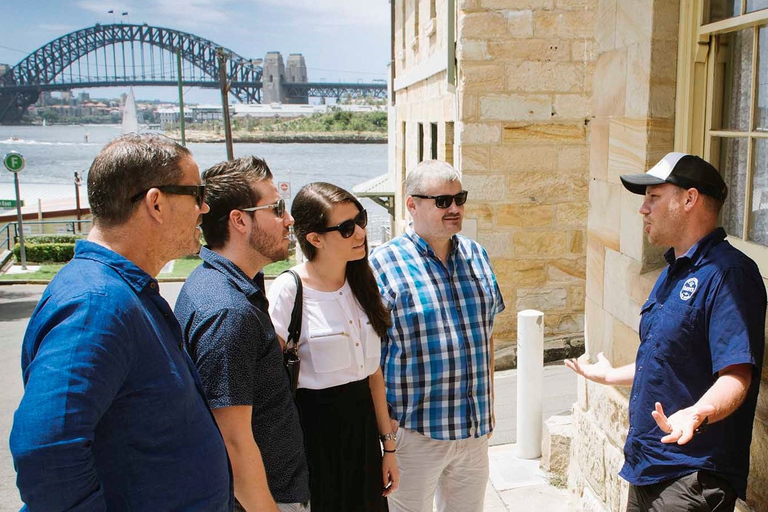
{"x":702,"y":331}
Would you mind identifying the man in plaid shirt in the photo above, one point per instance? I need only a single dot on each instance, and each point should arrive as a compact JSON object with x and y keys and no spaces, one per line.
{"x":438,"y":355}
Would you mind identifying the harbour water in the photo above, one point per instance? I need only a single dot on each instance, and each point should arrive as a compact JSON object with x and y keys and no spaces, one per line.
{"x":54,"y":153}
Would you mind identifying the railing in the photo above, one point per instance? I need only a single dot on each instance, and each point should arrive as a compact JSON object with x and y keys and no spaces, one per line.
{"x":9,"y":233}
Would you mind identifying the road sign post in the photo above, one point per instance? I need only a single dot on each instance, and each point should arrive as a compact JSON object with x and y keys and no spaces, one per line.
{"x":14,"y":162}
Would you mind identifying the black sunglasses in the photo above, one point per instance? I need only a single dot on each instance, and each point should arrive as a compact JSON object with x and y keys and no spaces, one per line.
{"x":445,"y":201}
{"x":196,"y":191}
{"x":347,"y":228}
{"x":279,"y":207}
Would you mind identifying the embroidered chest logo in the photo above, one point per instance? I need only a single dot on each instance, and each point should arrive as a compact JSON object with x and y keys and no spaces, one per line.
{"x":689,"y":288}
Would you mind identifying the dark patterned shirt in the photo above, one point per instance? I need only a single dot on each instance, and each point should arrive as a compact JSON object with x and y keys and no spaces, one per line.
{"x":229,"y":335}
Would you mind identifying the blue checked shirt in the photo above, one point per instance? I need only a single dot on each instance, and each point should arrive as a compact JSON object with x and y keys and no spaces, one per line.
{"x":436,"y":357}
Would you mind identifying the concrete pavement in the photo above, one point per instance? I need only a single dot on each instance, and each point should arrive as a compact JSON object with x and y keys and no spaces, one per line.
{"x":514,"y":484}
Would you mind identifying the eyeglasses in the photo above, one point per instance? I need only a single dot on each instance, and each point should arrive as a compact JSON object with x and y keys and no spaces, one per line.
{"x":196,"y":191}
{"x":347,"y":228}
{"x":279,"y":207}
{"x":445,"y":201}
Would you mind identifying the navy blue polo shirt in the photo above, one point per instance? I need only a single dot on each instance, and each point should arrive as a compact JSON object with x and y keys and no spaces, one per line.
{"x":705,"y":313}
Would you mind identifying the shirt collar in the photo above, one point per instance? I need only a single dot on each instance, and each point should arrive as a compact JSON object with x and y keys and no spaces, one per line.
{"x":423,"y":247}
{"x":699,"y":249}
{"x":128,"y":270}
{"x":241,"y":281}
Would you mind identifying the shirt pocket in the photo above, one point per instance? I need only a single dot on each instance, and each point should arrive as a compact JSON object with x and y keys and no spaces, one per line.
{"x":330,"y":350}
{"x":371,"y":342}
{"x":674,"y":332}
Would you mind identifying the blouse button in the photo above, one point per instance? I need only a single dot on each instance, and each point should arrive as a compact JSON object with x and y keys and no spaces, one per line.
{"x":350,"y":322}
{"x":341,"y":293}
{"x":357,"y":344}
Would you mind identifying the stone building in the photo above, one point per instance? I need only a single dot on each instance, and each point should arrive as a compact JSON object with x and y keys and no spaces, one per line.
{"x":542,"y":104}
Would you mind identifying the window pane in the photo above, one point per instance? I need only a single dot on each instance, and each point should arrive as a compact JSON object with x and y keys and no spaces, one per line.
{"x":733,"y":167}
{"x":722,"y":9}
{"x":756,"y":5}
{"x":761,"y":123}
{"x":758,"y":216}
{"x":736,"y":49}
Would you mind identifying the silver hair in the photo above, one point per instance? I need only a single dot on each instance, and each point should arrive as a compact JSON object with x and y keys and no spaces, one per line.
{"x":427,"y":171}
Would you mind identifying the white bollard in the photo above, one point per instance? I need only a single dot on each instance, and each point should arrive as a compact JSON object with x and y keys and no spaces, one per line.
{"x":530,"y":379}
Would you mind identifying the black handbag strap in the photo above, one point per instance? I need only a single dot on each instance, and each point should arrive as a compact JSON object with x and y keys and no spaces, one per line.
{"x":294,"y":328}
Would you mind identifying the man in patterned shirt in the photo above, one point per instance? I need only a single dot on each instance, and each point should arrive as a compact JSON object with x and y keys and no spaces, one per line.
{"x":438,"y":355}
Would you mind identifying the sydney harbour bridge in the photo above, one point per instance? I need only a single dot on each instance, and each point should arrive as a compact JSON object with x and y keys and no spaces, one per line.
{"x":143,"y":55}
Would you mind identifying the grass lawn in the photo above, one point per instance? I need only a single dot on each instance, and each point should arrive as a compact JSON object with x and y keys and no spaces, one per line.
{"x":181,"y":268}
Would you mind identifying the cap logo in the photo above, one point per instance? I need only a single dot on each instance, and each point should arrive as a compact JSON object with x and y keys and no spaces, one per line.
{"x":689,"y":288}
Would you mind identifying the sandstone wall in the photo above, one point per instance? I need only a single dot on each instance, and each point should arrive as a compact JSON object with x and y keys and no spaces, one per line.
{"x":525,"y":79}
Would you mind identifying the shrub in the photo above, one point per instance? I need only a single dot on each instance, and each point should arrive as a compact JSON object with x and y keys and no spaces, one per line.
{"x":46,"y":252}
{"x":52,"y":239}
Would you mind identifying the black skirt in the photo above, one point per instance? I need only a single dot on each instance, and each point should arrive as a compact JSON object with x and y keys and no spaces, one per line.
{"x":342,"y":443}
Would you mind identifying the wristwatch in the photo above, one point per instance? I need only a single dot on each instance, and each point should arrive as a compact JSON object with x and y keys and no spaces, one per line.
{"x":388,"y":437}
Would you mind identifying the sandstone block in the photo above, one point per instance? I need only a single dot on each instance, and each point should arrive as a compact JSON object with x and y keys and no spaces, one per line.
{"x":542,"y":299}
{"x":595,"y":270}
{"x":605,"y":26}
{"x":516,"y":107}
{"x":599,"y":138}
{"x":540,"y":243}
{"x":531,"y":50}
{"x":584,"y":51}
{"x":518,"y":4}
{"x":563,"y":324}
{"x":577,"y":298}
{"x":624,"y":343}
{"x":605,"y":212}
{"x":619,"y":273}
{"x":616,"y":488}
{"x":497,"y":244}
{"x":484,"y":187}
{"x":597,"y":330}
{"x":572,"y":214}
{"x":472,"y":50}
{"x":539,"y":158}
{"x":638,"y":79}
{"x":573,"y":159}
{"x":483,"y":25}
{"x":517,"y":272}
{"x":480,"y":211}
{"x":474,"y":157}
{"x":627,"y":147}
{"x":482,"y":77}
{"x":556,"y":444}
{"x":608,"y":410}
{"x":610,"y":78}
{"x":573,"y":106}
{"x":565,"y":24}
{"x":525,"y":215}
{"x":545,"y":133}
{"x":520,"y":24}
{"x":576,"y":4}
{"x":479,"y":133}
{"x":666,"y":16}
{"x":632,"y":234}
{"x":539,"y":187}
{"x":591,"y":452}
{"x":634,"y":22}
{"x":565,"y":270}
{"x":468,"y":108}
{"x":538,"y":76}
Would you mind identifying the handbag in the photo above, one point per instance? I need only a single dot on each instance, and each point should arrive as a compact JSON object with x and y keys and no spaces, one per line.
{"x":291,"y":358}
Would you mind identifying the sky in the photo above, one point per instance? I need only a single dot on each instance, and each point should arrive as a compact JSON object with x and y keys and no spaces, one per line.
{"x":345,"y":40}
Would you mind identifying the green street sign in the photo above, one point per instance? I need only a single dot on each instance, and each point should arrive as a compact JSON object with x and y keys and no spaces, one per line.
{"x":14,"y":161}
{"x":9,"y":203}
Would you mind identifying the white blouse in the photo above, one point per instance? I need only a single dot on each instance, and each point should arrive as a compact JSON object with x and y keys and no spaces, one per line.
{"x":337,"y":344}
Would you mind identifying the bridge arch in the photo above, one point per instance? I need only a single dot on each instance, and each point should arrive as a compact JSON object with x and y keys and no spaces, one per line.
{"x":48,"y":62}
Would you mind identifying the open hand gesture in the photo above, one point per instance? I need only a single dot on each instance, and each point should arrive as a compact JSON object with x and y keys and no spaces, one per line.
{"x":682,"y":425}
{"x":595,"y":372}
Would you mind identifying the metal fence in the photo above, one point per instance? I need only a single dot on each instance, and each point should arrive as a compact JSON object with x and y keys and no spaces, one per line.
{"x":9,"y":233}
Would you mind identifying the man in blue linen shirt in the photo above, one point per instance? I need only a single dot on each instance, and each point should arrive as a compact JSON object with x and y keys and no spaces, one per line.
{"x":437,"y":357}
{"x":113,"y":415}
{"x":701,"y":349}
{"x":226,"y":325}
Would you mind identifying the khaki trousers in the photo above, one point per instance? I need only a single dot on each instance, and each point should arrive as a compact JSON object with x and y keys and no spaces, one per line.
{"x":452,"y":474}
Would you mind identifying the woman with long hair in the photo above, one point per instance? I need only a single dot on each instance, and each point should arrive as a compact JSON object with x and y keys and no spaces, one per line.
{"x":340,"y":397}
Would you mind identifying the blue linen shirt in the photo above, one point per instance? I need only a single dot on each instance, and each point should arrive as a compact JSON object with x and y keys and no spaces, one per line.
{"x":436,"y":357}
{"x":705,"y":313}
{"x":113,"y":415}
{"x":229,"y":334}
